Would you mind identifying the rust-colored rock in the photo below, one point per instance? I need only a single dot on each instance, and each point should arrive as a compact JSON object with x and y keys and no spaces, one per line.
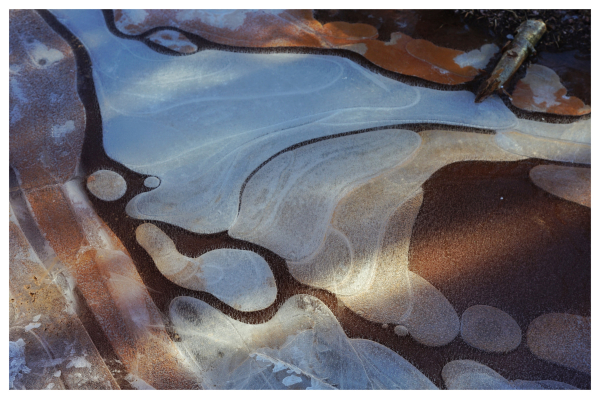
{"x":57,"y":348}
{"x":47,"y":119}
{"x":542,"y":91}
{"x":108,"y":280}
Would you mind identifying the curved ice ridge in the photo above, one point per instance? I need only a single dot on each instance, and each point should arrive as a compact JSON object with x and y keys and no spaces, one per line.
{"x":469,"y":374}
{"x":292,"y":195}
{"x":302,"y":346}
{"x":557,"y":142}
{"x":241,"y":279}
{"x":343,"y":222}
{"x":202,"y":123}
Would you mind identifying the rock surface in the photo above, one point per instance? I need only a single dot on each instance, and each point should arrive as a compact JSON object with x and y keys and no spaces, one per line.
{"x":47,"y":338}
{"x":47,"y":119}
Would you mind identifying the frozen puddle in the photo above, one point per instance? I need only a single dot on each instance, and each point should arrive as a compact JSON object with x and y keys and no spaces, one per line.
{"x":211,"y":118}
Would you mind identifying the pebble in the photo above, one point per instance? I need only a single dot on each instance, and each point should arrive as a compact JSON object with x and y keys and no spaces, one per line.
{"x":401,"y":331}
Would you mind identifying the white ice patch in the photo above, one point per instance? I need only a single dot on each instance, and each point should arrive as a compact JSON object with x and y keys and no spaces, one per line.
{"x":79,"y":362}
{"x":132,"y":17}
{"x":545,"y":97}
{"x":14,"y":69}
{"x":138,"y":383}
{"x":152,"y":182}
{"x":15,"y":114}
{"x":17,"y":366}
{"x":31,"y":326}
{"x":394,"y":37}
{"x":37,"y":318}
{"x":441,"y":70}
{"x":17,"y":91}
{"x":43,"y":56}
{"x":107,"y":185}
{"x":291,"y":380}
{"x":51,"y":362}
{"x":360,"y":48}
{"x":277,"y":365}
{"x":173,"y":40}
{"x":477,"y":58}
{"x":60,"y":131}
{"x":230,"y":19}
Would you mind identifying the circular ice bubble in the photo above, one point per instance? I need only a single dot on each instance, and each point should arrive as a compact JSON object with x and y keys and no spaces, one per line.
{"x":490,"y":329}
{"x":401,"y":331}
{"x":152,"y":182}
{"x":106,"y":185}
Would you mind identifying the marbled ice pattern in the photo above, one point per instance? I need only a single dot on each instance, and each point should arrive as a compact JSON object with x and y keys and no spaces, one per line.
{"x":571,"y":183}
{"x":211,"y":118}
{"x":241,"y":279}
{"x":301,"y":347}
{"x":364,"y":257}
{"x":569,"y":142}
{"x":290,"y":175}
{"x":298,"y":28}
{"x":287,"y":204}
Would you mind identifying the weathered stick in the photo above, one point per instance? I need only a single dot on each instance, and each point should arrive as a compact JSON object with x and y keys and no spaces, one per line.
{"x":528,"y":34}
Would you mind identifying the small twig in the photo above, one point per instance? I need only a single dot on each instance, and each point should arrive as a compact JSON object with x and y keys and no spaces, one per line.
{"x":527,"y":36}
